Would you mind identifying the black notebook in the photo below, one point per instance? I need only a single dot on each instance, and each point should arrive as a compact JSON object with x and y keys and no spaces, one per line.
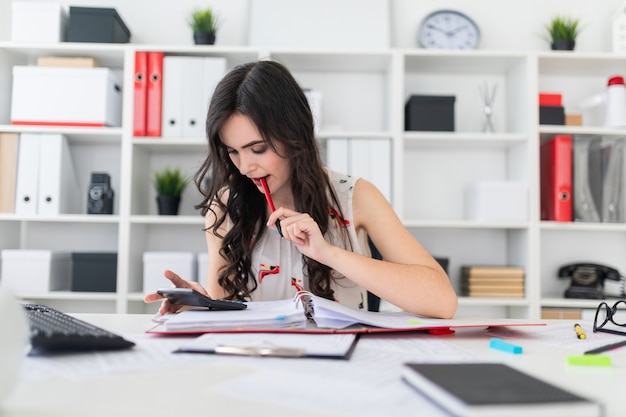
{"x":494,"y":389}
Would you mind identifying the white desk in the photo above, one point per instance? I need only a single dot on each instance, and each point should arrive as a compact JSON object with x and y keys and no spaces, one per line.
{"x":151,"y":381}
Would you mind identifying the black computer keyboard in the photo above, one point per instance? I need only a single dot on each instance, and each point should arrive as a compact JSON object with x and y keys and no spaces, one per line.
{"x":54,"y":331}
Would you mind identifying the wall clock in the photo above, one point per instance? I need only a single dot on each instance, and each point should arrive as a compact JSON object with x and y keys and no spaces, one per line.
{"x":448,"y":29}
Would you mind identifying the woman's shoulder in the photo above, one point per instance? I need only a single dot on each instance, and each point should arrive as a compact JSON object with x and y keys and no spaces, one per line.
{"x":341,"y":180}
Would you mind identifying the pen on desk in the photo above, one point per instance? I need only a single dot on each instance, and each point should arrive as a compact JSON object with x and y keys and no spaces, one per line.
{"x":499,"y":344}
{"x":606,"y":348}
{"x":579,"y":331}
{"x":266,"y":190}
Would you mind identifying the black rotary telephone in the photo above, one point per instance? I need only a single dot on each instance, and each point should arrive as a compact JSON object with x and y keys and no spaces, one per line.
{"x":587,"y":279}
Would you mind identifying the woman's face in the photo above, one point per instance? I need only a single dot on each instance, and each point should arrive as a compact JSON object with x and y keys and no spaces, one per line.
{"x":253,"y":157}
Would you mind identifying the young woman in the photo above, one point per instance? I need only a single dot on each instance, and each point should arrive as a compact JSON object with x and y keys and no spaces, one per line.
{"x":259,"y":126}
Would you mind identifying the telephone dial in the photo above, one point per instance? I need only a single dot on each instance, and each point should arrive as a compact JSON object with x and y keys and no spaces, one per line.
{"x":589,"y":280}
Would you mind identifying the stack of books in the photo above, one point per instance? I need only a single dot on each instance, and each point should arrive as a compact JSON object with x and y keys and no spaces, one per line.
{"x":492,"y":281}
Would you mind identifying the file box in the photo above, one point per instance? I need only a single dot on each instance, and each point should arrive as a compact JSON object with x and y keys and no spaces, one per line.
{"x":96,"y":24}
{"x":35,"y":271}
{"x":497,"y":201}
{"x":429,"y":113}
{"x":154,"y":263}
{"x":34,"y":21}
{"x":94,"y":271}
{"x":66,"y":96}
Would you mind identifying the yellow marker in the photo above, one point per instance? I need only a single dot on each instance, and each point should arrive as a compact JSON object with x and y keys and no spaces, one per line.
{"x":579,"y":331}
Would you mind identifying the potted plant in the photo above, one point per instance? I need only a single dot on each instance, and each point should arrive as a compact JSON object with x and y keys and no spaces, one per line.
{"x":204,"y":24}
{"x":562,"y":32}
{"x":169,"y":184}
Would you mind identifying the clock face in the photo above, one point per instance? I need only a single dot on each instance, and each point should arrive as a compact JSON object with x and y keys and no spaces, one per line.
{"x":448,"y":29}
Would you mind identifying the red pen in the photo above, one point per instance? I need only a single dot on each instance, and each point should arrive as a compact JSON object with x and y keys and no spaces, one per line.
{"x":271,"y":204}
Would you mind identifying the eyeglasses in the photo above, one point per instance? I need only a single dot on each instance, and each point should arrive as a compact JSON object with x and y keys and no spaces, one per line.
{"x":615,"y":314}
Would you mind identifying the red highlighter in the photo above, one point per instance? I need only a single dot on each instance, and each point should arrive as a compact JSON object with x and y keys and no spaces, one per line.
{"x":271,"y":204}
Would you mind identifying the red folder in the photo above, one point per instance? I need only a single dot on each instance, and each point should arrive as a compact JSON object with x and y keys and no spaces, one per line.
{"x":140,"y":93}
{"x":556,"y":179}
{"x":154,"y":98}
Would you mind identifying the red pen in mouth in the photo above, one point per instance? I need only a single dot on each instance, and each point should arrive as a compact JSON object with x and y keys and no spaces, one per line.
{"x":266,"y":190}
{"x":268,"y":196}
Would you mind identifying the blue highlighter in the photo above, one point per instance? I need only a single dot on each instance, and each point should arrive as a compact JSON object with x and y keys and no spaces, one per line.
{"x":499,"y":344}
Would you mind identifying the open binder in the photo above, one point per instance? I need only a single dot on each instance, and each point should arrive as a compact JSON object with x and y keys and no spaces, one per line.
{"x":307,"y":313}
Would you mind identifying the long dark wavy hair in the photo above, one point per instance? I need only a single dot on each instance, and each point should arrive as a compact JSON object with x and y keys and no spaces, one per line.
{"x":267,"y":93}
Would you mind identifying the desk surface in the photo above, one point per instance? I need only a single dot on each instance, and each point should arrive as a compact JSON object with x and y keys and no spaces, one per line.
{"x":150,"y":380}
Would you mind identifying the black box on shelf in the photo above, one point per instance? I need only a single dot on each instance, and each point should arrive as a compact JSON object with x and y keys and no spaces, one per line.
{"x":429,"y":113}
{"x":96,"y":24}
{"x":94,"y":271}
{"x":551,"y":115}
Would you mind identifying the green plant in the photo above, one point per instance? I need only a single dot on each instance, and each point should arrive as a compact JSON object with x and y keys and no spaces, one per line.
{"x":563,"y":28}
{"x":204,"y":20}
{"x":170,"y":182}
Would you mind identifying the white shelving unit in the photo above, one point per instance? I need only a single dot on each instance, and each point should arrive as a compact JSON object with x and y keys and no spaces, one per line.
{"x":363,"y":97}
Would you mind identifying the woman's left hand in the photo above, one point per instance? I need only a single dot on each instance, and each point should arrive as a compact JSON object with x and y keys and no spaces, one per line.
{"x":303,"y":231}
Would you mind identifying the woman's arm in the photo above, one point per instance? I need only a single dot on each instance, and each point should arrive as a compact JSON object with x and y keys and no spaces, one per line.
{"x":409,"y":277}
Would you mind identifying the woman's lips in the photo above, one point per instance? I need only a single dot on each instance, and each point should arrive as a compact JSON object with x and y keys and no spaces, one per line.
{"x":257,"y":181}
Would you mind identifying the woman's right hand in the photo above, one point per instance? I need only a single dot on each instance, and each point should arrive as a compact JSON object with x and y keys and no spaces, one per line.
{"x":177,"y":282}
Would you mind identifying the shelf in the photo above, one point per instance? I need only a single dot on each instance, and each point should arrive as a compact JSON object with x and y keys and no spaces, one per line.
{"x":481,"y":301}
{"x":70,"y":296}
{"x":582,"y":226}
{"x":571,"y":303}
{"x":463,"y":140}
{"x":548,"y":130}
{"x":462,"y":224}
{"x":61,"y":218}
{"x":328,"y":134}
{"x":96,"y":135}
{"x":166,"y":145}
{"x":171,"y":220}
{"x":107,"y":55}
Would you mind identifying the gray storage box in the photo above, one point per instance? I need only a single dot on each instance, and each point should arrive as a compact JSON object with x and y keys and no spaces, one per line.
{"x":95,"y":24}
{"x":429,"y":113}
{"x":94,"y":271}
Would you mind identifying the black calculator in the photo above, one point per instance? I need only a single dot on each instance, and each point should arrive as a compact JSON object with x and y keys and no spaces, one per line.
{"x":191,"y":297}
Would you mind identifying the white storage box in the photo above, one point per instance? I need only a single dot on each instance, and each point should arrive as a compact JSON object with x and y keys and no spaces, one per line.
{"x":497,"y":201}
{"x":203,"y":266}
{"x":63,"y":96}
{"x":35,"y":271}
{"x":34,"y":21}
{"x":154,"y":263}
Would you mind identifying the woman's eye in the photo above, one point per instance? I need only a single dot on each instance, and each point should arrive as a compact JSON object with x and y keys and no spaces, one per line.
{"x":259,"y":150}
{"x":232,"y":152}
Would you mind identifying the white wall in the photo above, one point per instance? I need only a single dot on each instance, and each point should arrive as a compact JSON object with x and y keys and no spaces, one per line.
{"x":505,"y":24}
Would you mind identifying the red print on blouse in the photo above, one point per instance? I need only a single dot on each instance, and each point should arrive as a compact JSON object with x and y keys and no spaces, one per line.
{"x":337,"y":219}
{"x":268,"y":270}
{"x":294,"y":283}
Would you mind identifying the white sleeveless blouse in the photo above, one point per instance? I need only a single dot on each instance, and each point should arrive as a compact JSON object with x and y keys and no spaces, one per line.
{"x":277,"y":263}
